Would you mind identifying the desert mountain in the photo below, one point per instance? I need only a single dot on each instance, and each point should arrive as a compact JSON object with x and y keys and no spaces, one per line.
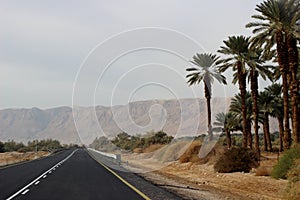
{"x":184,"y":117}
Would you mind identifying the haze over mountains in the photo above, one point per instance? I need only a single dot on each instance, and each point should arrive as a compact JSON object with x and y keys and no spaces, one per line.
{"x":175,"y":117}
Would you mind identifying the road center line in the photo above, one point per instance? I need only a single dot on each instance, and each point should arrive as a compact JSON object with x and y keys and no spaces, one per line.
{"x":36,"y":182}
{"x":25,"y":190}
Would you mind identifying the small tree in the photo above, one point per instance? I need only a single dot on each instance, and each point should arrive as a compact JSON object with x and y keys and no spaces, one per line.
{"x":1,"y":147}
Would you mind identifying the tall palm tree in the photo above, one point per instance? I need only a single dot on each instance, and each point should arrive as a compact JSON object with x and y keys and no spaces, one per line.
{"x":235,"y":49}
{"x":265,"y":105}
{"x":227,"y":122}
{"x":276,"y":21}
{"x":292,"y":33}
{"x":256,"y":68}
{"x":204,"y":69}
{"x":275,"y":91}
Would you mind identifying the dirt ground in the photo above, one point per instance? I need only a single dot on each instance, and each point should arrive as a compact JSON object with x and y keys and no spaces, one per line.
{"x":195,"y":181}
{"x":9,"y":158}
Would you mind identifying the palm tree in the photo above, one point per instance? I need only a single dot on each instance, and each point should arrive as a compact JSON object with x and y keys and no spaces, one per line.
{"x":275,"y":91}
{"x":276,"y":21}
{"x":236,"y":47}
{"x":266,"y":108}
{"x":292,"y":33}
{"x":236,"y":110}
{"x":255,"y":68}
{"x":227,"y":122}
{"x":204,"y":69}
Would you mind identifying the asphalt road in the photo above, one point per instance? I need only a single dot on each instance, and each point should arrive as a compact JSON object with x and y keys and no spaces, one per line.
{"x":73,"y":174}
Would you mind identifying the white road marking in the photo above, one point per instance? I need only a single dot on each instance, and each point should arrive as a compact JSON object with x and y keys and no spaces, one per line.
{"x":25,"y":190}
{"x":36,"y":182}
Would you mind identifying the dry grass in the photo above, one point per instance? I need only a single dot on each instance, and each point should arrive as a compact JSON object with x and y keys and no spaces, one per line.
{"x":9,"y":158}
{"x":293,"y":191}
{"x":245,"y":185}
{"x":191,"y":153}
{"x":171,"y":152}
{"x":138,"y":150}
{"x":263,"y":171}
{"x":153,"y":148}
{"x":231,"y":185}
{"x":266,"y":165}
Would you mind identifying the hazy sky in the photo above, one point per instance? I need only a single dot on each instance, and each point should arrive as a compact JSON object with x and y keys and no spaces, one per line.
{"x":45,"y":44}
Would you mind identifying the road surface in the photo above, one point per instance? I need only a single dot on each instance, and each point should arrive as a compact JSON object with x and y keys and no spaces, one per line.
{"x":74,"y":174}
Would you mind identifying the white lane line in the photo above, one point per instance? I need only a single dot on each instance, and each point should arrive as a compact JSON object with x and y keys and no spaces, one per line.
{"x":35,"y":180}
{"x":25,"y":191}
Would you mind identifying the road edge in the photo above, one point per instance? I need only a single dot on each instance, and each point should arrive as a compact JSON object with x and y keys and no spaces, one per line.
{"x":120,"y":178}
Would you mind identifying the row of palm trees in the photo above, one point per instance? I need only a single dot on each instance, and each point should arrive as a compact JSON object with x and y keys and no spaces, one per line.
{"x":269,"y":104}
{"x":276,"y":36}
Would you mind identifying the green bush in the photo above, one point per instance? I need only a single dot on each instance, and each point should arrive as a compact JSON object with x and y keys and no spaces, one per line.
{"x":1,"y":147}
{"x":236,"y":159}
{"x":11,"y":145}
{"x":293,"y":176}
{"x":285,"y":163}
{"x":129,"y":142}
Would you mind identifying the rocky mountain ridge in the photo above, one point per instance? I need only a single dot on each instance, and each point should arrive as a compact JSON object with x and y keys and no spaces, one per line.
{"x":183,"y":117}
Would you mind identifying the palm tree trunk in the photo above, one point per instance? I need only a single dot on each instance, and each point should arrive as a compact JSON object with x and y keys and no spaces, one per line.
{"x":283,"y":65}
{"x":249,"y":134}
{"x":268,"y":132}
{"x":208,"y":98}
{"x":265,"y":135}
{"x":280,"y":126}
{"x":294,"y":86}
{"x":228,"y":138}
{"x":254,"y":94}
{"x":242,"y":87}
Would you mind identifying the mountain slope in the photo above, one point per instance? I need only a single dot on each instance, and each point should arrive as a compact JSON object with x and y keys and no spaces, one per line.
{"x":184,"y":117}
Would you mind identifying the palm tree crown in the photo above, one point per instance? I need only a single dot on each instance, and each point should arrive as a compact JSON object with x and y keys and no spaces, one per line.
{"x":205,"y":70}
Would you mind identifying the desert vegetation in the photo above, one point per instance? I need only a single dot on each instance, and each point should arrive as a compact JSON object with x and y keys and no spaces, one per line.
{"x":12,"y":152}
{"x":272,"y":53}
{"x":149,"y":142}
{"x":36,"y":145}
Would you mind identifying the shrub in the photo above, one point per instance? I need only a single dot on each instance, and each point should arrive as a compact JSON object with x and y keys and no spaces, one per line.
{"x":1,"y":147}
{"x":293,"y":174}
{"x":236,"y":159}
{"x":263,"y":171}
{"x":191,"y":153}
{"x":293,"y":177}
{"x":285,"y":163}
{"x":11,"y":145}
{"x":128,"y":142}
